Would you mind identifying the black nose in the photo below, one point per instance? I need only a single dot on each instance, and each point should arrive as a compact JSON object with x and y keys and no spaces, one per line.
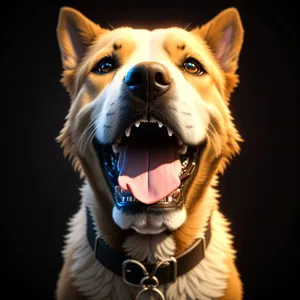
{"x":148,"y":80}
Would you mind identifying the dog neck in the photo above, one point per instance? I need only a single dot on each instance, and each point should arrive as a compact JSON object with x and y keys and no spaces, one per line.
{"x":144,"y":247}
{"x":148,"y":248}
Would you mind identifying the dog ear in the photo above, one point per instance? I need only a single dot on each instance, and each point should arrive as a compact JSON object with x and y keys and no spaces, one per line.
{"x":224,"y":34}
{"x":75,"y":33}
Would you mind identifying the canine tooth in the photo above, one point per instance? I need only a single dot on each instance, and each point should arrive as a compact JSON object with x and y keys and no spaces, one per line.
{"x":125,"y":193}
{"x":160,"y":124}
{"x":179,"y":142}
{"x":119,"y":139}
{"x":169,"y":198}
{"x":170,"y":132}
{"x":127,"y":131}
{"x":115,"y":148}
{"x":182,"y":149}
{"x":137,"y":124}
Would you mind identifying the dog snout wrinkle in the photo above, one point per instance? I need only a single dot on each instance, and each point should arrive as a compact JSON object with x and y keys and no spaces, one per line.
{"x":148,"y":80}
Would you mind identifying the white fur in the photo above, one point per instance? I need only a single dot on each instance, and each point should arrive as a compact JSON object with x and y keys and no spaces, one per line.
{"x":149,"y":223}
{"x":206,"y":281}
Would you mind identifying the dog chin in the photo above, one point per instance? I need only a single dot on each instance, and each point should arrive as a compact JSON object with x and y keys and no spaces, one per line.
{"x":149,"y":230}
{"x":149,"y":223}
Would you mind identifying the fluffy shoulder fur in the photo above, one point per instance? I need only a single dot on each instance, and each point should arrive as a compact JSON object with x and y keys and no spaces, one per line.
{"x":206,"y":281}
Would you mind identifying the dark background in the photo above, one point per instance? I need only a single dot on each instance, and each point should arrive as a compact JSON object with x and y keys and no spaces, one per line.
{"x":258,"y":189}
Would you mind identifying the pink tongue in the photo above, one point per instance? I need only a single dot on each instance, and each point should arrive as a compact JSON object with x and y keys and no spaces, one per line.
{"x":149,"y":173}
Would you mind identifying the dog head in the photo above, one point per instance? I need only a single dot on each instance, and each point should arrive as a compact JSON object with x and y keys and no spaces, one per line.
{"x":149,"y":124}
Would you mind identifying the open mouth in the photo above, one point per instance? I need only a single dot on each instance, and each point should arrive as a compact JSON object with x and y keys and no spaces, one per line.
{"x":148,"y":168}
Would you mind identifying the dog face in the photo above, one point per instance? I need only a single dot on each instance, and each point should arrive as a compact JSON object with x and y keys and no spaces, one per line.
{"x":149,"y":124}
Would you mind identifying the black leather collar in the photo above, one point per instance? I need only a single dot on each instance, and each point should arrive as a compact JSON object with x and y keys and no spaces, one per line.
{"x":133,"y":272}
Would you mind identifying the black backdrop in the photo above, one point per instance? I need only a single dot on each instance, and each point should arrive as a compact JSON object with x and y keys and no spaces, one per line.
{"x":41,"y":192}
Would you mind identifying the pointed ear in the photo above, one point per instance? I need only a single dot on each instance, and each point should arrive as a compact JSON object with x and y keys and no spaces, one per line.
{"x":75,"y":33}
{"x":224,"y":34}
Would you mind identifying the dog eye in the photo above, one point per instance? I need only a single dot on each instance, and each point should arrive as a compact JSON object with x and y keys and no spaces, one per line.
{"x":104,"y":66}
{"x":193,"y":67}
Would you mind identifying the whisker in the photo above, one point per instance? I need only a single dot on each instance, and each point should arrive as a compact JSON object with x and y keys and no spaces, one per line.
{"x":112,"y":27}
{"x":214,"y":138}
{"x":216,"y":134}
{"x":90,"y":124}
{"x":188,"y":26}
{"x":89,"y":138}
{"x":211,"y":124}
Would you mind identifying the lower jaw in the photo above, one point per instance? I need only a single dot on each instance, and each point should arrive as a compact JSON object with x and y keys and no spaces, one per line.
{"x":149,"y":222}
{"x":149,"y":230}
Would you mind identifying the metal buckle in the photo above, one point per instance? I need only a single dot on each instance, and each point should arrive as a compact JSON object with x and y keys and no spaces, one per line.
{"x":153,"y":282}
{"x":173,"y":262}
{"x":124,"y":270}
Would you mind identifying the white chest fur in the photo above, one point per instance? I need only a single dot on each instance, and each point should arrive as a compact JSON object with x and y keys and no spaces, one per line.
{"x":205,"y":282}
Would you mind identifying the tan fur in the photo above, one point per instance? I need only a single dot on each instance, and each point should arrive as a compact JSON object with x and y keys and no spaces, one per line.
{"x":216,"y":45}
{"x":234,"y":290}
{"x":65,"y":289}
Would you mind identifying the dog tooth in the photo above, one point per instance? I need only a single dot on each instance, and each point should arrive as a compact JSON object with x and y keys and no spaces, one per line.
{"x":125,"y":193}
{"x":117,"y":189}
{"x":175,"y":194}
{"x":170,"y":132}
{"x":127,"y":131}
{"x":182,"y":149}
{"x":160,"y":124}
{"x":115,"y":148}
{"x":179,"y":142}
{"x":119,"y":139}
{"x":169,"y":198}
{"x":137,"y":124}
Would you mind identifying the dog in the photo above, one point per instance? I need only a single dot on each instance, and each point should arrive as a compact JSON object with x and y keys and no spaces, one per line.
{"x":149,"y":130}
